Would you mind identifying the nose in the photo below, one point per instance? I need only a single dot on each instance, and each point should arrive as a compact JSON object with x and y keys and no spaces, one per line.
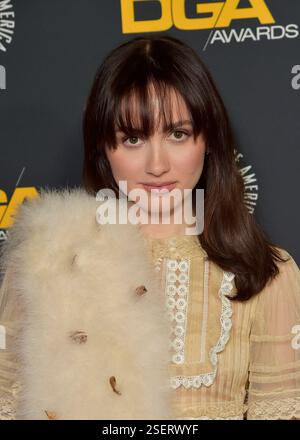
{"x":157,"y":161}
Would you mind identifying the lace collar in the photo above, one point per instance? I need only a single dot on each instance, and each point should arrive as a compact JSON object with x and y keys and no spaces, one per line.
{"x":174,"y":246}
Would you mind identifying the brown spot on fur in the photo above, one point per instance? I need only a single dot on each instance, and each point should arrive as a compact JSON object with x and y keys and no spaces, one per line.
{"x":112,"y":381}
{"x":79,"y":337}
{"x":140,"y":290}
{"x":73,"y":259}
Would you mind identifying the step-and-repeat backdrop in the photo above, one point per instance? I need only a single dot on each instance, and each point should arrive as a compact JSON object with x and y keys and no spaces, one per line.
{"x":49,"y":52}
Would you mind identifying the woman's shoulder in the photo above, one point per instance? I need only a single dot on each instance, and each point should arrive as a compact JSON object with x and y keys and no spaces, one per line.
{"x":278,"y":304}
{"x":288,"y":269}
{"x":287,"y":281}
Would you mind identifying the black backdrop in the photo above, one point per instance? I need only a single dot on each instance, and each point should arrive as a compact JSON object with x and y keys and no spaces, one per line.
{"x":47,"y":68}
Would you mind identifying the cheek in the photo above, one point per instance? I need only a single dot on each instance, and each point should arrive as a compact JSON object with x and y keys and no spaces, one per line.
{"x":190,"y":164}
{"x":123,"y":166}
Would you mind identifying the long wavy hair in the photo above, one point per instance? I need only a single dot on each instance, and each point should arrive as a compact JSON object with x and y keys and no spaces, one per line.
{"x":231,"y":236}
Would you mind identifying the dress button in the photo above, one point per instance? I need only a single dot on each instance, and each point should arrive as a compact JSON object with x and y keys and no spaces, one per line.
{"x":113,"y":382}
{"x":79,"y":337}
{"x":140,"y":290}
{"x":51,"y":415}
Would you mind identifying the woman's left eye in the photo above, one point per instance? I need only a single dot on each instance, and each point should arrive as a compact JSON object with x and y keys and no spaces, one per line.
{"x":180,"y":133}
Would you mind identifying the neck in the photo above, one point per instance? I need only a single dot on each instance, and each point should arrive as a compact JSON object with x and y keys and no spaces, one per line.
{"x":161,"y":230}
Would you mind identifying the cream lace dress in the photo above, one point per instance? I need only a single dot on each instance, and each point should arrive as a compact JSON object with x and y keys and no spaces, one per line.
{"x":228,"y":360}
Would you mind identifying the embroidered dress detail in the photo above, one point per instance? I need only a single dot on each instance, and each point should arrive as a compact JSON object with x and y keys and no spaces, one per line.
{"x":205,"y":311}
{"x":172,"y":257}
{"x":208,"y":378}
{"x":177,"y":287}
{"x":173,"y":247}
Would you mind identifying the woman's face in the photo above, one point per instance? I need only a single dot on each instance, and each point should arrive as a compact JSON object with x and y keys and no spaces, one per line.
{"x":164,"y":157}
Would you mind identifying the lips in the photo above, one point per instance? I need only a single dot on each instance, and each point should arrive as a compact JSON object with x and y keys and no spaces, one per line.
{"x":163,"y":188}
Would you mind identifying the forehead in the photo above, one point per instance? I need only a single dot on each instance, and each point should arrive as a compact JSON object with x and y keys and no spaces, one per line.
{"x":160,"y":106}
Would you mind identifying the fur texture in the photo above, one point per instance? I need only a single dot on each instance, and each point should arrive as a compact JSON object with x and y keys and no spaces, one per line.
{"x":74,"y":275}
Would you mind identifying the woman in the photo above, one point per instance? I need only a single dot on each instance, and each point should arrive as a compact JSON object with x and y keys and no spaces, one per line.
{"x":232,"y":297}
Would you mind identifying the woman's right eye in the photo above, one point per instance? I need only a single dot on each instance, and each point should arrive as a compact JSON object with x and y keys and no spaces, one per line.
{"x":130,"y":144}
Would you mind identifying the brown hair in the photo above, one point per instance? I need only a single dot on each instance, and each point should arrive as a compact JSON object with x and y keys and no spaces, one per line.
{"x":231,"y":237}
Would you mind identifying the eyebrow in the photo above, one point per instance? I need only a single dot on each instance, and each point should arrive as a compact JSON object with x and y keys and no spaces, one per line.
{"x":169,"y":127}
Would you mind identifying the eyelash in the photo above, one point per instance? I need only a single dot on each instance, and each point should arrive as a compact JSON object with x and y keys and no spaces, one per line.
{"x":125,"y":138}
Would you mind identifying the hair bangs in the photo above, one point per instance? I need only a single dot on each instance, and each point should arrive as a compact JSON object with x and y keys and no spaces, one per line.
{"x":149,"y":106}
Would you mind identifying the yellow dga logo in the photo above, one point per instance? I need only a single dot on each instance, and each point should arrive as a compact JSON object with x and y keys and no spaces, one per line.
{"x":9,"y":207}
{"x":173,"y":13}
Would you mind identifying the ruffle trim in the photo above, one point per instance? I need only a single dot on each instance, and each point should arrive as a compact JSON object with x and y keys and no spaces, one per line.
{"x":207,"y":379}
{"x":274,"y":409}
{"x":238,"y":417}
{"x":222,"y":410}
{"x":7,"y":408}
{"x":8,"y":401}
